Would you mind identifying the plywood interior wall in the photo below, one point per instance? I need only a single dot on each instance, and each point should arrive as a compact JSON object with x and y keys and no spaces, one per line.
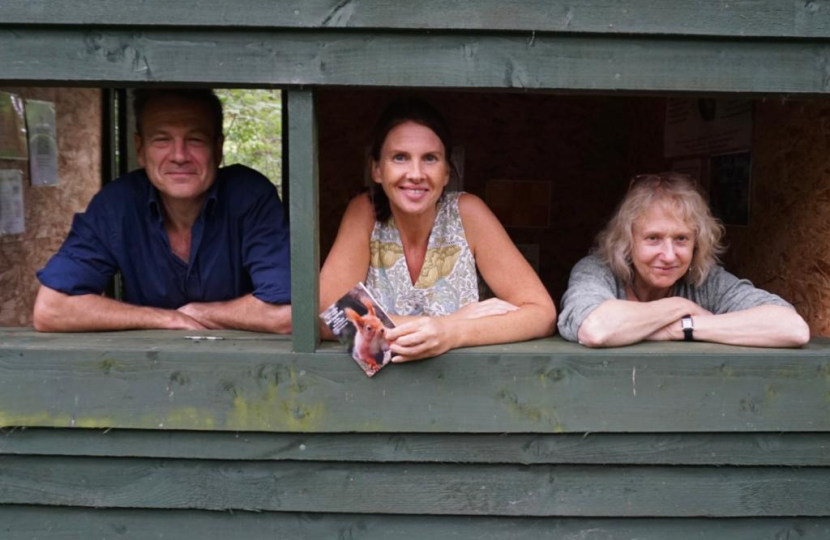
{"x":588,"y":147}
{"x":786,"y":248}
{"x":49,"y":210}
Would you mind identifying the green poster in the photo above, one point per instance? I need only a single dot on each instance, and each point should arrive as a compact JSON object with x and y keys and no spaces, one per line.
{"x":43,"y":142}
{"x":12,"y":127}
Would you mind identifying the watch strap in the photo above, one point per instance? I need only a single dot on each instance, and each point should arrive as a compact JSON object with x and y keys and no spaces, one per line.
{"x":688,"y":326}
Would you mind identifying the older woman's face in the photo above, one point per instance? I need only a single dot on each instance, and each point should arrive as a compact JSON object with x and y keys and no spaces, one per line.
{"x":412,"y":169}
{"x":663,"y":247}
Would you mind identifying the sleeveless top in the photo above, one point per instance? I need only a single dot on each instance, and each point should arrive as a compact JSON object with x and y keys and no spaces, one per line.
{"x":448,"y":279}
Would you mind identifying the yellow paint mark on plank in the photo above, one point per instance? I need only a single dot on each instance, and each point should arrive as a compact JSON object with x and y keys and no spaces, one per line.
{"x":527,"y":412}
{"x":46,"y":419}
{"x":271,"y":411}
{"x":187,"y":418}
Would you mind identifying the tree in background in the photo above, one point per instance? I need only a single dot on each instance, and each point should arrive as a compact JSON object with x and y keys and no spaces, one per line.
{"x":253,"y":130}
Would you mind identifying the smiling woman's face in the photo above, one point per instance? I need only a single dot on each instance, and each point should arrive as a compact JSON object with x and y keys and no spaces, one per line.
{"x":413,"y":168}
{"x":663,"y":248}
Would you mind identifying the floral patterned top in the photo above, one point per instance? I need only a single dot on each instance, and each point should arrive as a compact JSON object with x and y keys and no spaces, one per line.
{"x":448,"y":279}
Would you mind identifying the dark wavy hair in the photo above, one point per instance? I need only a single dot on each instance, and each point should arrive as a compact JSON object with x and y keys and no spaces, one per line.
{"x":143,"y":96}
{"x":396,"y":113}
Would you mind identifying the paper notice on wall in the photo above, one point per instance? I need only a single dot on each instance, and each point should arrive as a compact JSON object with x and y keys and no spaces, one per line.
{"x":12,"y":127}
{"x":43,"y":142}
{"x":707,"y":126}
{"x":11,"y":202}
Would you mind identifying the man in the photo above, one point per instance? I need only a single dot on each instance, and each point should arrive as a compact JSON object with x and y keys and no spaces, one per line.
{"x":197,"y":246}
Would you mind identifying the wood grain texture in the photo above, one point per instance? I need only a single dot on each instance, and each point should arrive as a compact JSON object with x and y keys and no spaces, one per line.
{"x":769,"y":18}
{"x":779,"y":449}
{"x":26,"y":522}
{"x":251,"y":382}
{"x":36,"y":55}
{"x":419,"y":489}
{"x":305,"y":221}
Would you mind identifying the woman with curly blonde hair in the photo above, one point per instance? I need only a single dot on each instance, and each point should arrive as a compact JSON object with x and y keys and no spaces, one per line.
{"x":655,"y":276}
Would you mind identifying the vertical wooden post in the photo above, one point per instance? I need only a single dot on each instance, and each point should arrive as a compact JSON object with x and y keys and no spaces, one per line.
{"x":114,"y":150}
{"x":303,"y":208}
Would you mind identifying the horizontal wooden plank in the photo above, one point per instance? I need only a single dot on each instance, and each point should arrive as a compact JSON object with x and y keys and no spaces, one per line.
{"x":421,"y":489}
{"x":769,"y":18}
{"x":36,"y":55}
{"x":252,"y":383}
{"x":28,"y":522}
{"x":779,"y":449}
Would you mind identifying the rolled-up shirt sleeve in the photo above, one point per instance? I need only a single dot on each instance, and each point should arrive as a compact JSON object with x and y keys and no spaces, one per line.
{"x":591,"y":283}
{"x":266,"y":250}
{"x":83,"y":264}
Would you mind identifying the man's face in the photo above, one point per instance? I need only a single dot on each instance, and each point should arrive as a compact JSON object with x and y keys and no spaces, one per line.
{"x":179,"y":148}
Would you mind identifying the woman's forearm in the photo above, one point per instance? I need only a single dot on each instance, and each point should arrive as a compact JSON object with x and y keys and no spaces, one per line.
{"x":621,"y":322}
{"x":529,"y":321}
{"x":762,"y":326}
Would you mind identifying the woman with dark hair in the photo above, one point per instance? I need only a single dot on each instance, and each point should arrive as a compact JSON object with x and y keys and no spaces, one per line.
{"x":654,"y":276}
{"x":417,"y":248}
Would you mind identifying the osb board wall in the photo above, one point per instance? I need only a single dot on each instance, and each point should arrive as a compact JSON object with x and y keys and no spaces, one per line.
{"x":49,"y":210}
{"x":786,"y":248}
{"x":587,"y":147}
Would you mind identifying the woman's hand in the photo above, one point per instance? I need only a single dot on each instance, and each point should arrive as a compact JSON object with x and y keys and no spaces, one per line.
{"x":487,"y":308}
{"x":419,"y":338}
{"x":673,"y":331}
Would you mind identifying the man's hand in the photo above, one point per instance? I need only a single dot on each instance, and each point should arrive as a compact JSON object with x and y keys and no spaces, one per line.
{"x":181,"y":320}
{"x":243,"y":313}
{"x":196,"y":313}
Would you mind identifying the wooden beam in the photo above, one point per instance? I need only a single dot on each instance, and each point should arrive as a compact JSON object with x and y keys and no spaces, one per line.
{"x":420,"y":489}
{"x":251,"y":382}
{"x":763,"y":18}
{"x":764,"y":449}
{"x":36,"y":55}
{"x":304,"y":211}
{"x":62,"y":523}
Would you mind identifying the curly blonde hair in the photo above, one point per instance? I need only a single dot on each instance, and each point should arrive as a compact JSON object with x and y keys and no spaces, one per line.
{"x":678,"y":192}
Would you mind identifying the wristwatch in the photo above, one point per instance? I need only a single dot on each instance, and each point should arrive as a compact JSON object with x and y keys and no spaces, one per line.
{"x":688,"y":326}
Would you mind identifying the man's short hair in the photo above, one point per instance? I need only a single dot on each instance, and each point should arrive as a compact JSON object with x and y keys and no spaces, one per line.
{"x":143,"y":96}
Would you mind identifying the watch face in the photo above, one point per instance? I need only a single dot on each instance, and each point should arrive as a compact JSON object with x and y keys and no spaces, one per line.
{"x":686,"y":323}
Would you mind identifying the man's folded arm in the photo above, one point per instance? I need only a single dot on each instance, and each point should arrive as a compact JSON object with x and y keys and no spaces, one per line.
{"x":59,"y":312}
{"x":245,"y":313}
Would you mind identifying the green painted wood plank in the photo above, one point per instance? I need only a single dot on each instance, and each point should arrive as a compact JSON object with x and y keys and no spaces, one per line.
{"x":768,"y":18}
{"x":548,"y":386}
{"x":780,"y":449}
{"x":28,"y":522}
{"x":304,"y":205}
{"x":34,"y":55}
{"x":420,"y":489}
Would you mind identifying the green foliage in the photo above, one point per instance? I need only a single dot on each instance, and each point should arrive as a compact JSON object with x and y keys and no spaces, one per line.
{"x":253,"y":130}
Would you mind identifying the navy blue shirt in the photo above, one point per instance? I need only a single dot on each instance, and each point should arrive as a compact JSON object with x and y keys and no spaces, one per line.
{"x":239,"y":245}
